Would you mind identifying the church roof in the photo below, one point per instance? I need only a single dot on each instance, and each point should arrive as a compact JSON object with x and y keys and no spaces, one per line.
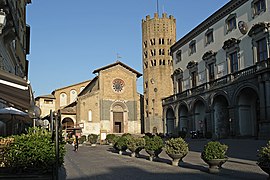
{"x":118,"y":63}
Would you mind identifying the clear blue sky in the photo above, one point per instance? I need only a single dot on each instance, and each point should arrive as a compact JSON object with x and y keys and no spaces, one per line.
{"x":70,"y":39}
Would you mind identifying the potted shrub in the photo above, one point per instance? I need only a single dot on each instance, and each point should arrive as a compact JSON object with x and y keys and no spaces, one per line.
{"x":214,"y":154}
{"x":82,"y":139}
{"x":121,"y":144}
{"x":153,"y":146}
{"x":264,"y":158}
{"x":110,"y":138}
{"x":93,"y":138}
{"x":135,"y":145}
{"x":177,"y":149}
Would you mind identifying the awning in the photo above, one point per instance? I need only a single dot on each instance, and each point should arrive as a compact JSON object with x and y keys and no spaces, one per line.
{"x":15,"y":90}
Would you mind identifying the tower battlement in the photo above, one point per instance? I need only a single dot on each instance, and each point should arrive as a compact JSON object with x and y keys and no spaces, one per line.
{"x":156,"y":16}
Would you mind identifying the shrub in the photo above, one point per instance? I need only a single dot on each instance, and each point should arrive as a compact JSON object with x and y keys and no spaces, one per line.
{"x":153,"y":143}
{"x":110,"y":138}
{"x":82,"y":139}
{"x":214,"y":150}
{"x":176,"y":146}
{"x":121,"y":143}
{"x":264,"y":155}
{"x":34,"y":150}
{"x":93,"y":138}
{"x":135,"y":144}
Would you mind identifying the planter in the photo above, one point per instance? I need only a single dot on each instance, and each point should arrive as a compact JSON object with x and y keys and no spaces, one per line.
{"x":153,"y":154}
{"x":266,"y":169}
{"x":176,"y":158}
{"x":215,"y":164}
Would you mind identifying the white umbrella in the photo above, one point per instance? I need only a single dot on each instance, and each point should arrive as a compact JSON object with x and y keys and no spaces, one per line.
{"x":12,"y":111}
{"x":14,"y":119}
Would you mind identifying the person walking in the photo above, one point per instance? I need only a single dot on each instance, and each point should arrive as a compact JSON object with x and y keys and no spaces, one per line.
{"x":76,"y":143}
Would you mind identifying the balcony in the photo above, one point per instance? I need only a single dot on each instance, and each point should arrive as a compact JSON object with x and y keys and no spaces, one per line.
{"x":241,"y":75}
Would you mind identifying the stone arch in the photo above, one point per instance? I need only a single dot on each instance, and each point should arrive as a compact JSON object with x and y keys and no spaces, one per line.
{"x":198,"y":98}
{"x":247,"y":110}
{"x":198,"y":108}
{"x":119,"y":117}
{"x":183,"y":116}
{"x":170,"y":121}
{"x":218,"y":93}
{"x":67,"y":122}
{"x":221,"y":122}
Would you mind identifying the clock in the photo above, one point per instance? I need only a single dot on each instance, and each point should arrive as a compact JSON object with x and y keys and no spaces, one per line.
{"x":118,"y":85}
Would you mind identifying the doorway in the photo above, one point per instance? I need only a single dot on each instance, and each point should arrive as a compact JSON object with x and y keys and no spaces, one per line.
{"x":117,"y":122}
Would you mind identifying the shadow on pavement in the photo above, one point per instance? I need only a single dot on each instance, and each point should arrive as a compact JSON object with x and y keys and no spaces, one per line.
{"x":133,"y":173}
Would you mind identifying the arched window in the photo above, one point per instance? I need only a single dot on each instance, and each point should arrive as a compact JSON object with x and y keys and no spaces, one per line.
{"x":63,"y":99}
{"x":73,"y":95}
{"x":90,"y":115}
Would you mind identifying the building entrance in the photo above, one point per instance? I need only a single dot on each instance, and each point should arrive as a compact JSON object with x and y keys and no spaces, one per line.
{"x":118,"y":122}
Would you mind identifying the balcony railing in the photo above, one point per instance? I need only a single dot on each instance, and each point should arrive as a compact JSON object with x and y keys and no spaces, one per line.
{"x":223,"y":81}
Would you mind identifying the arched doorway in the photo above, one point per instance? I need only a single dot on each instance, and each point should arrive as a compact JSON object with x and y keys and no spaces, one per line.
{"x":199,"y":117}
{"x":170,"y":125}
{"x":221,"y":123}
{"x":118,"y":119}
{"x":67,"y":123}
{"x":183,"y":118}
{"x":248,"y":107}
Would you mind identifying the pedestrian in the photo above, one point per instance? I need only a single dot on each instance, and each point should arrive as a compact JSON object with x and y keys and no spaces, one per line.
{"x":76,"y":143}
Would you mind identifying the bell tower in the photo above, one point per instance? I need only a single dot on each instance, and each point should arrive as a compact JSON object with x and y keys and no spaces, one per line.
{"x":158,"y":35}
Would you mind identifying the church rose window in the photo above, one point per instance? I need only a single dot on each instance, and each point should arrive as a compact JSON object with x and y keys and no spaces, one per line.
{"x":118,"y":85}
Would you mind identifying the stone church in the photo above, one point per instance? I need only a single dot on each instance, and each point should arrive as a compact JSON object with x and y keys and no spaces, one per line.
{"x":110,"y":102}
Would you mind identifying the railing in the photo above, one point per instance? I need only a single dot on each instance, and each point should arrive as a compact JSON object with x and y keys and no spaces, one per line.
{"x":239,"y":75}
{"x":182,"y":94}
{"x":245,"y":72}
{"x":198,"y":89}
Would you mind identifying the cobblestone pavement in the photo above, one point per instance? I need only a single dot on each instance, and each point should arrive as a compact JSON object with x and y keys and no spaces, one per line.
{"x":102,"y":163}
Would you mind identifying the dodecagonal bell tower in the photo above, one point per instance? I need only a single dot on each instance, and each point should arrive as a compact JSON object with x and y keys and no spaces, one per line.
{"x":158,"y":35}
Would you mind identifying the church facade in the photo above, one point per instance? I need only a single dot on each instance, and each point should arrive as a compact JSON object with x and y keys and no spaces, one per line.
{"x":110,"y":102}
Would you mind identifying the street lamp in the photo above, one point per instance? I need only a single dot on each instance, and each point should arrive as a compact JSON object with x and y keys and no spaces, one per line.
{"x":34,"y":113}
{"x":2,"y":20}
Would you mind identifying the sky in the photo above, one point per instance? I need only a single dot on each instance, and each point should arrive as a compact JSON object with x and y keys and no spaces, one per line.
{"x":70,"y":39}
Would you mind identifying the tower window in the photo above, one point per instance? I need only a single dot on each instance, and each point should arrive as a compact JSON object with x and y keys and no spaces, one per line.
{"x":145,"y":65}
{"x":145,"y":44}
{"x":152,"y":41}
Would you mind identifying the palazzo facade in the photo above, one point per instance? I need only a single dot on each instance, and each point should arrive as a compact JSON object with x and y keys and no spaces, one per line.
{"x":222,"y":74}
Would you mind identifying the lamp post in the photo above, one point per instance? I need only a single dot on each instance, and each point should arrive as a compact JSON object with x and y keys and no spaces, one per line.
{"x":55,"y":117}
{"x":2,"y":20}
{"x":34,"y":113}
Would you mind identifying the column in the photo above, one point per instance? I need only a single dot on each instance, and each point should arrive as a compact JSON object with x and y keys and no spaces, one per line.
{"x":267,"y":99}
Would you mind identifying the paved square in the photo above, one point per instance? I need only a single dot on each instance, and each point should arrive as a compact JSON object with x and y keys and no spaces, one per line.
{"x":102,"y":163}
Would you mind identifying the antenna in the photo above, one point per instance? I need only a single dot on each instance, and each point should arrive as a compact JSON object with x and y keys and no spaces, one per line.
{"x":157,"y":7}
{"x":118,"y":57}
